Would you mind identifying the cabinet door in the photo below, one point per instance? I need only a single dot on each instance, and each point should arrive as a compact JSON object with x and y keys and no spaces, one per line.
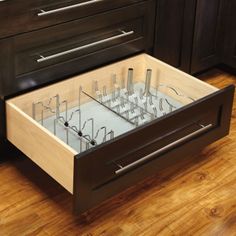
{"x":207,"y":35}
{"x":229,"y":56}
{"x":174,"y":32}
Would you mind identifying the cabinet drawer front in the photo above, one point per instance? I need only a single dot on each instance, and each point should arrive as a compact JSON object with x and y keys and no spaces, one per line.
{"x":57,"y":52}
{"x":124,"y":162}
{"x":32,"y":15}
{"x":95,"y":167}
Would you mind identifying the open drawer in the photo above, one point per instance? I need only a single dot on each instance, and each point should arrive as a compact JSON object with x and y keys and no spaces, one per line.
{"x":102,"y":131}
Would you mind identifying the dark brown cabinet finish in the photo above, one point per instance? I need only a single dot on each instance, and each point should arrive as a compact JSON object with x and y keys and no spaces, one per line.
{"x":41,"y":45}
{"x":89,"y":190}
{"x":43,"y":56}
{"x":207,"y":35}
{"x":190,"y":33}
{"x":18,"y":16}
{"x":229,"y":51}
{"x":173,"y":40}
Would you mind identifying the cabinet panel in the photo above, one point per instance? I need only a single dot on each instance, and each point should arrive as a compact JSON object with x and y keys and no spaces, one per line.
{"x":229,"y":56}
{"x":170,"y":17}
{"x":174,"y":32}
{"x":40,"y":57}
{"x":32,"y":15}
{"x":207,"y":37}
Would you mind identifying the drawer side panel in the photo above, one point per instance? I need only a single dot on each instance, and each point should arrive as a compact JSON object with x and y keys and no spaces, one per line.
{"x":40,"y":146}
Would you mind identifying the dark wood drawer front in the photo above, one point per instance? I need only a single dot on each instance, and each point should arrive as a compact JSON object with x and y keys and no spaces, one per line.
{"x":72,"y":41}
{"x":34,"y":59}
{"x":141,"y":153}
{"x":20,"y":16}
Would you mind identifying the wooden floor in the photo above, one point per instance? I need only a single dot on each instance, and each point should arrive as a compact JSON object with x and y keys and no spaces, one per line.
{"x":197,"y":197}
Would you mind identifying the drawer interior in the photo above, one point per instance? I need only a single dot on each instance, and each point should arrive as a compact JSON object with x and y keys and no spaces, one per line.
{"x":54,"y":124}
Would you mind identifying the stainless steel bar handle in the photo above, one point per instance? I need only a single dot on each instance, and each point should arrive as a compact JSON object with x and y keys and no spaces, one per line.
{"x":163,"y":149}
{"x":46,"y":58}
{"x":44,"y":13}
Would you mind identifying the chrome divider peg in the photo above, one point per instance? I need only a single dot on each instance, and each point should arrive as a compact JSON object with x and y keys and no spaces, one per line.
{"x":87,"y":146}
{"x":161,"y":104}
{"x":34,"y":106}
{"x":34,"y":111}
{"x":148,"y":83}
{"x":57,"y":106}
{"x":105,"y":97}
{"x":111,"y":134}
{"x":96,"y":90}
{"x":157,"y":79}
{"x":154,"y":112}
{"x":80,"y":115}
{"x":171,"y":107}
{"x":141,"y":97}
{"x":66,"y":113}
{"x":104,"y":128}
{"x":115,"y":86}
{"x":130,"y":86}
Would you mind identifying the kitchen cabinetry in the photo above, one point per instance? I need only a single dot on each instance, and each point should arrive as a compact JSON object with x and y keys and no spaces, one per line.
{"x":81,"y":98}
{"x":173,"y":37}
{"x":229,"y":50}
{"x":189,"y":34}
{"x":35,"y":58}
{"x":188,"y":115}
{"x":37,"y":14}
{"x":208,"y":37}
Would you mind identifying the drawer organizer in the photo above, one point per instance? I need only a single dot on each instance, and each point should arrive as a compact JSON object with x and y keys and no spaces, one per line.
{"x":107,"y":112}
{"x":100,"y":132}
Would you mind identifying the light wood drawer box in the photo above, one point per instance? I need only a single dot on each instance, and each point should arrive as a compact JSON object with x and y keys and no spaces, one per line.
{"x":136,"y":152}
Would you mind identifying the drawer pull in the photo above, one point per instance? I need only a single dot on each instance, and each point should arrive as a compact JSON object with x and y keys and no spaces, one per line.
{"x":163,"y":149}
{"x":44,"y":13}
{"x":46,"y":58}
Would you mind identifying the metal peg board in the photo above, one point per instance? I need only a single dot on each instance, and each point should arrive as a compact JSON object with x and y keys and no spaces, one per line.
{"x":105,"y":115}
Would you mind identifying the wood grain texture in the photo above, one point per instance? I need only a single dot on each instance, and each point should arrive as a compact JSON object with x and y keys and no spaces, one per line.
{"x":195,"y":197}
{"x":42,"y":147}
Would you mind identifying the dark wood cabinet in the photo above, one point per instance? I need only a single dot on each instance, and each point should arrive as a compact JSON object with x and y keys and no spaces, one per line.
{"x":36,"y":58}
{"x":140,"y":120}
{"x":37,"y":14}
{"x":174,"y":34}
{"x":190,"y":33}
{"x":170,"y":23}
{"x":207,"y":35}
{"x":229,"y":50}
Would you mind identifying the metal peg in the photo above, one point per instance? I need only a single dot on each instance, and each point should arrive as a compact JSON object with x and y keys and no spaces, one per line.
{"x":130,"y":88}
{"x":148,"y":82}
